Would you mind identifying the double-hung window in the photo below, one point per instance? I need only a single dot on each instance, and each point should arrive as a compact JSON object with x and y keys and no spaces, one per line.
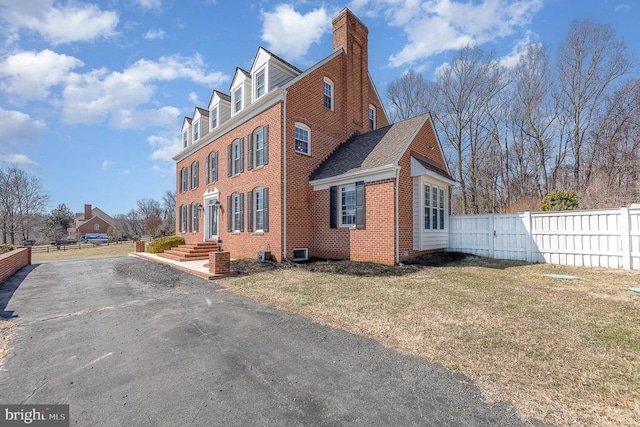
{"x":213,"y":116}
{"x":196,"y":131}
{"x":258,"y":210}
{"x":235,"y":202}
{"x":235,"y":151}
{"x":237,"y":100}
{"x":258,"y":147}
{"x":302,"y":139}
{"x":434,"y":207}
{"x":195,"y":208}
{"x":212,"y":168}
{"x":195,"y":179}
{"x":185,"y":139}
{"x":327,"y":98}
{"x":347,"y":205}
{"x":260,"y":84}
{"x":184,"y":180}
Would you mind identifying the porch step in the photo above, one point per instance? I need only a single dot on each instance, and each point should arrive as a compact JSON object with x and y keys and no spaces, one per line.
{"x":199,"y":251}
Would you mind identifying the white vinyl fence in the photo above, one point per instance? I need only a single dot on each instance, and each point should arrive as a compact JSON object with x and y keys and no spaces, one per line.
{"x":598,"y":238}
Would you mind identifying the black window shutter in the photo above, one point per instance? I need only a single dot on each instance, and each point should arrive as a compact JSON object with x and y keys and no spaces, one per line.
{"x":241,"y":142}
{"x":241,"y":201}
{"x":265,"y":195}
{"x":229,"y":213}
{"x":333,"y":207}
{"x":214,"y":178}
{"x":360,"y":212}
{"x":249,"y":211}
{"x":249,"y":152}
{"x":207,"y":167}
{"x":266,"y":144}
{"x":189,"y":218}
{"x":229,"y":161}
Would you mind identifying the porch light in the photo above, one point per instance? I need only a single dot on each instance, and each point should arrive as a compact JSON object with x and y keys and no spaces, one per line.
{"x":219,"y":243}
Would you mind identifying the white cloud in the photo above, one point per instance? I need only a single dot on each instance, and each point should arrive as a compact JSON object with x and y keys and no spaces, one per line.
{"x":30,"y":75}
{"x":155,"y":35}
{"x":168,"y":171}
{"x":18,"y":127}
{"x":291,"y":34}
{"x":125,"y":172}
{"x":193,"y":98}
{"x":106,"y":164}
{"x":150,"y":4}
{"x":520,"y":48}
{"x":623,"y":7}
{"x":436,"y":26}
{"x":164,"y":148}
{"x":58,"y":23}
{"x":100,"y":95}
{"x":18,"y":159}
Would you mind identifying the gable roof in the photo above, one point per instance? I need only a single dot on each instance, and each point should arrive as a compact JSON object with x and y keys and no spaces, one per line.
{"x":429,"y":165}
{"x":372,"y":150}
{"x":277,"y":58}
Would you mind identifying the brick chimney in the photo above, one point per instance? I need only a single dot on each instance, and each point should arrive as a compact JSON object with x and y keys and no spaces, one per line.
{"x":353,"y":36}
{"x":87,"y":212}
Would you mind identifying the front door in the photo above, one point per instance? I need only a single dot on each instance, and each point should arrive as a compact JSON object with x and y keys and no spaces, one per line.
{"x":212,"y":219}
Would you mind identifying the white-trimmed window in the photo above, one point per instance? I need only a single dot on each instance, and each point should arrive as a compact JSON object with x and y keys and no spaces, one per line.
{"x":260,"y":84}
{"x":237,"y":100}
{"x":235,"y":202}
{"x":235,"y":151}
{"x":258,"y":210}
{"x":347,"y":210}
{"x":184,"y":179}
{"x":327,"y":98}
{"x":302,"y":139}
{"x":237,"y":157}
{"x":372,"y":117}
{"x":195,"y":179}
{"x":195,"y":208}
{"x":185,"y":139}
{"x":196,"y":131}
{"x":434,"y":207}
{"x":258,"y":148}
{"x":183,"y":218}
{"x":213,"y":116}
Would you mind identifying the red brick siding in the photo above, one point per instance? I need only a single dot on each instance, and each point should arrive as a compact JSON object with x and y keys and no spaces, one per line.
{"x":244,"y":244}
{"x":89,"y":226}
{"x":426,"y":145}
{"x":13,"y":261}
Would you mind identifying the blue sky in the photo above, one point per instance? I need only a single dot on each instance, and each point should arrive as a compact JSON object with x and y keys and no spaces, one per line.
{"x":93,"y":94}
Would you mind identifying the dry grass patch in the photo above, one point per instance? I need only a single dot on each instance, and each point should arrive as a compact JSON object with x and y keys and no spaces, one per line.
{"x":567,"y":352}
{"x":6,"y":330}
{"x":100,"y":251}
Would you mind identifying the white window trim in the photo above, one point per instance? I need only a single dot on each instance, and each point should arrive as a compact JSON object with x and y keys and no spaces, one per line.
{"x":306,"y":254}
{"x":375,"y":118}
{"x":235,"y":202}
{"x":195,"y":217}
{"x":441,"y":191}
{"x":195,"y":177}
{"x":196,"y":131}
{"x":305,"y":127}
{"x":236,"y":149}
{"x":258,"y":192}
{"x":333,"y":93}
{"x":212,"y":116}
{"x":340,"y":188}
{"x":183,"y":218}
{"x":233,"y":99}
{"x":185,"y":138}
{"x":254,"y":79}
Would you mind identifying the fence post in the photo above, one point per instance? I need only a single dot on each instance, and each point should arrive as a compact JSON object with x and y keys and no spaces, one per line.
{"x":528,"y":244}
{"x":625,"y":238}
{"x":491,"y":234}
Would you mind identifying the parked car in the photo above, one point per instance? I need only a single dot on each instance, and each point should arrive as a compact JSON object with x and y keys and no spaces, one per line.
{"x":59,"y":242}
{"x":28,"y":242}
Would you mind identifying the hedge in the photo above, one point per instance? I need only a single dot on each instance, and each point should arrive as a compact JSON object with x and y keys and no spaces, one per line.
{"x":164,"y":243}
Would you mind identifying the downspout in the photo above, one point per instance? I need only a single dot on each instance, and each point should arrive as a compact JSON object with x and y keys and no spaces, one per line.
{"x":284,"y":180}
{"x":397,"y":217}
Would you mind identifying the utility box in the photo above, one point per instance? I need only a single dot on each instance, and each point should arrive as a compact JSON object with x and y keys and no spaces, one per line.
{"x":264,"y":256}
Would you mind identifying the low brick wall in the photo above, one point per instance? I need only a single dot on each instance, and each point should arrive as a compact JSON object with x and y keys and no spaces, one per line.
{"x":139,"y":246}
{"x":13,"y":261}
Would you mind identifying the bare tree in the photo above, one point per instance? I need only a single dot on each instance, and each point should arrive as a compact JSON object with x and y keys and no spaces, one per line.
{"x":169,"y":212}
{"x":150,"y":213}
{"x":407,"y":96}
{"x":22,"y":201}
{"x":590,"y":61}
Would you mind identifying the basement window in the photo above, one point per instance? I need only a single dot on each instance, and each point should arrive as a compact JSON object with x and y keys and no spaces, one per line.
{"x":301,"y":254}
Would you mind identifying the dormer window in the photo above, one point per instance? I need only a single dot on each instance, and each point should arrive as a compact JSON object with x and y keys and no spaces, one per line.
{"x":196,"y":131}
{"x":185,"y":138}
{"x":260,"y":87}
{"x":237,"y":100}
{"x":213,"y":116}
{"x":328,"y":94}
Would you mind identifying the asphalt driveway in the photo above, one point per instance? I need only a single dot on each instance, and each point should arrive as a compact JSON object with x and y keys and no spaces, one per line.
{"x":128,"y":342}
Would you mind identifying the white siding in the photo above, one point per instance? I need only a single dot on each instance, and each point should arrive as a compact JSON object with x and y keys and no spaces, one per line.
{"x":424,"y":240}
{"x":278,"y":77}
{"x":605,"y":238}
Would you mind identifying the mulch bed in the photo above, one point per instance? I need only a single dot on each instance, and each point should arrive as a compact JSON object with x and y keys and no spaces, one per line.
{"x":353,"y":268}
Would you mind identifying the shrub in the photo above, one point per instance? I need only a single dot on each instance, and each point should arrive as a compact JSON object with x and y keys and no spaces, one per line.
{"x":5,"y":247}
{"x":560,"y":200}
{"x":164,"y":243}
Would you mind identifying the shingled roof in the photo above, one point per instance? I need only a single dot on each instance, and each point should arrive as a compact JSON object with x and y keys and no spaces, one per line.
{"x":381,"y":147}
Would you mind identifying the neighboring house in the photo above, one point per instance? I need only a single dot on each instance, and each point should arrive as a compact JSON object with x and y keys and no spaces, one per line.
{"x":305,"y":164}
{"x":92,"y":221}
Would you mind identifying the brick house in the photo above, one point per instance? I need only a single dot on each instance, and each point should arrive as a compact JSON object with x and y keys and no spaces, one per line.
{"x":305,"y":164}
{"x":92,"y":221}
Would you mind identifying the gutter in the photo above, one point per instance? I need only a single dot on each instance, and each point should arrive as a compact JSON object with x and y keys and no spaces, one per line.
{"x":397,"y":217}
{"x":284,"y":178}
